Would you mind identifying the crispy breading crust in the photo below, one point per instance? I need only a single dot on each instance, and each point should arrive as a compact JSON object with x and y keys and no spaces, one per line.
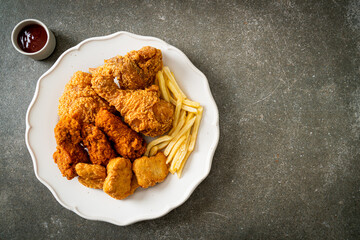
{"x":99,"y":147}
{"x":143,"y":110}
{"x":91,"y":175}
{"x":119,"y":177}
{"x":127,"y":142}
{"x":79,"y":100}
{"x":69,"y":152}
{"x":150,"y":170}
{"x":136,"y":70}
{"x":141,"y":106}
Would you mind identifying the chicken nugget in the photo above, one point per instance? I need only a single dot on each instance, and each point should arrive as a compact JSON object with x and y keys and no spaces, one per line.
{"x":134,"y":184}
{"x":99,"y":147}
{"x":119,"y":177}
{"x":150,"y":170}
{"x":91,"y":175}
{"x":127,"y":142}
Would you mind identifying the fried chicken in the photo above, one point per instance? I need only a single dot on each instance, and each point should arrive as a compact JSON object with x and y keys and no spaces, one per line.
{"x":127,"y":142}
{"x":143,"y":110}
{"x":99,"y":147}
{"x":69,"y":152}
{"x":91,"y":175}
{"x":119,"y":177}
{"x":134,"y":184}
{"x":79,"y":100}
{"x":150,"y":170}
{"x":136,"y":70}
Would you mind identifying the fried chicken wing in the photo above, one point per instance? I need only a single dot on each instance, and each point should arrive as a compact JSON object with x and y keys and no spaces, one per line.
{"x":79,"y":100}
{"x":143,"y":110}
{"x":127,"y":142}
{"x":136,"y":70}
{"x":150,"y":170}
{"x":99,"y":147}
{"x":119,"y":177}
{"x":69,"y":152}
{"x":91,"y":175}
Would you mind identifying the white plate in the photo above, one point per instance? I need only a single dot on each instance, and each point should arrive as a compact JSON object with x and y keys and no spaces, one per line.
{"x":94,"y":204}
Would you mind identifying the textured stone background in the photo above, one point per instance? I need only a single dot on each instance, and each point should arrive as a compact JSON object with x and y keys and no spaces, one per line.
{"x":285,"y":76}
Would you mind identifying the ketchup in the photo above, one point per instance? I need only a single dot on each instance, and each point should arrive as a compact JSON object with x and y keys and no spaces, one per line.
{"x":32,"y":38}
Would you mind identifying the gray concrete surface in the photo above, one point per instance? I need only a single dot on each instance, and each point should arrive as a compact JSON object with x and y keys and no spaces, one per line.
{"x":285,"y":76}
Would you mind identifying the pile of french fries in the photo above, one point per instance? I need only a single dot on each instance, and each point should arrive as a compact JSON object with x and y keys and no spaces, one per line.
{"x":180,"y":140}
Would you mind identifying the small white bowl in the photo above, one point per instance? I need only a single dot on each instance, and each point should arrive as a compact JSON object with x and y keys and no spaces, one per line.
{"x":42,"y":53}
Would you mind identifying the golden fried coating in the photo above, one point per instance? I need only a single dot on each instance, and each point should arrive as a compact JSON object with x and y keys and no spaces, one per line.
{"x":69,"y":152}
{"x":91,"y":183}
{"x":119,"y":177}
{"x":127,"y":142}
{"x":140,"y":68}
{"x":99,"y":147}
{"x":79,"y":100}
{"x":91,"y":175}
{"x":143,"y":110}
{"x":150,"y":170}
{"x":136,"y":70}
{"x":134,"y":185}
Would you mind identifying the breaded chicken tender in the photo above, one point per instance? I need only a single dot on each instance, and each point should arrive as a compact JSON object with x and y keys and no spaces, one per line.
{"x":79,"y":100}
{"x":91,"y":175}
{"x":69,"y":152}
{"x":119,"y":177}
{"x":99,"y":147}
{"x":150,"y":170}
{"x":127,"y":142}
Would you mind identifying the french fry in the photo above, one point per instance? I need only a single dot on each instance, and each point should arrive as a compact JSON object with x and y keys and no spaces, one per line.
{"x":179,"y":172}
{"x":157,"y":141}
{"x":190,"y":103}
{"x":184,"y":106}
{"x":153,"y":151}
{"x":171,"y":77}
{"x":172,"y":168}
{"x":162,"y":85}
{"x":189,"y":109}
{"x":186,"y":127}
{"x":177,"y":110}
{"x":174,"y":131}
{"x":175,"y":90}
{"x":180,"y":141}
{"x":163,"y":145}
{"x":195,"y":129}
{"x":182,"y":151}
{"x":189,"y":116}
{"x":175,"y":148}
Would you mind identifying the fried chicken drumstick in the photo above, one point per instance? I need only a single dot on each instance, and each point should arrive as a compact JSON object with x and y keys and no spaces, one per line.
{"x":137,"y":69}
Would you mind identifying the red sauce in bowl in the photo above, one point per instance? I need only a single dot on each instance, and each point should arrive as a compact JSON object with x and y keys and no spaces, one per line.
{"x":32,"y":38}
